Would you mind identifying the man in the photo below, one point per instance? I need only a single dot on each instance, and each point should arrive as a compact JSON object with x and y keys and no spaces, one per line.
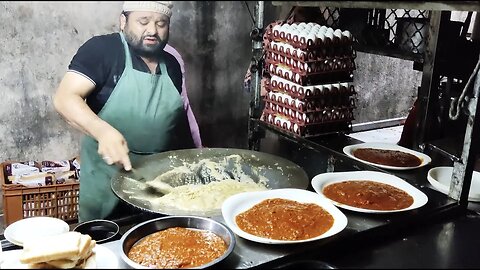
{"x":134,"y":102}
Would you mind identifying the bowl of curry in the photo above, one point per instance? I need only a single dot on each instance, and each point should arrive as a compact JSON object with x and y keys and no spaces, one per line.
{"x":177,"y":242}
{"x":282,"y":216}
{"x":387,"y":156}
{"x":369,"y":191}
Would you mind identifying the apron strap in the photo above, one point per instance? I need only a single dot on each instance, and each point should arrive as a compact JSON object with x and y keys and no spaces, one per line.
{"x":128,"y":57}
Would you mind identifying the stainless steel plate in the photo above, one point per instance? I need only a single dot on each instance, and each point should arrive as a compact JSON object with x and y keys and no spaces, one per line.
{"x":132,"y":236}
{"x":279,"y":172}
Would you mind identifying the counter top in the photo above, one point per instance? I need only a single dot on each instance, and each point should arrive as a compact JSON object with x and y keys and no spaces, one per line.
{"x":318,"y":156}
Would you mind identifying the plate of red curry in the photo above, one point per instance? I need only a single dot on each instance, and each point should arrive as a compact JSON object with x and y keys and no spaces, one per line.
{"x":387,"y":156}
{"x":369,"y":191}
{"x":282,"y":216}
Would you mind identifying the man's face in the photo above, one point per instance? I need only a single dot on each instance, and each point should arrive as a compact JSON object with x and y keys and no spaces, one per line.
{"x":146,"y":32}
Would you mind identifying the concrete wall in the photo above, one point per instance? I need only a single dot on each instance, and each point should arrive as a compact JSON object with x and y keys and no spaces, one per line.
{"x":386,"y":87}
{"x":38,"y":40}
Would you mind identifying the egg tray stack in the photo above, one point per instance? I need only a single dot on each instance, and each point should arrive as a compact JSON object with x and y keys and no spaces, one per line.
{"x":309,"y":110}
{"x":308,"y":57}
{"x":310,"y":91}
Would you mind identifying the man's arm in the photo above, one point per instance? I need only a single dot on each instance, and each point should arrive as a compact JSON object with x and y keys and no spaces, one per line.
{"x":69,"y":101}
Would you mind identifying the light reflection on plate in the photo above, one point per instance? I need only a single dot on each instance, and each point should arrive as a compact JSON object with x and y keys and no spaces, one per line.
{"x":348,"y":150}
{"x":31,"y":227}
{"x":321,"y":180}
{"x":241,"y":202}
{"x":440,"y":178}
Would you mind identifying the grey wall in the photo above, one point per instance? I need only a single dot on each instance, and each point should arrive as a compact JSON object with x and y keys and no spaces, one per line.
{"x":38,"y":40}
{"x":386,"y":87}
{"x":37,"y":43}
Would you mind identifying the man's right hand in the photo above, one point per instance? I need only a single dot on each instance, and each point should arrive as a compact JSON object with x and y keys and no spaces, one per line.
{"x":69,"y":101}
{"x":113,"y":148}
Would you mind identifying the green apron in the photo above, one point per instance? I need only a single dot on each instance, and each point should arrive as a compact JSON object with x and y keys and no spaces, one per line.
{"x":148,"y":111}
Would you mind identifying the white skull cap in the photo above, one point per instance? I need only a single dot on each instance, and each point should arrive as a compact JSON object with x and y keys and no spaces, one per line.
{"x":163,"y":7}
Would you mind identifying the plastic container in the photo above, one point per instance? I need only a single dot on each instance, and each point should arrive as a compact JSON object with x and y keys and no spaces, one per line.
{"x":57,"y":200}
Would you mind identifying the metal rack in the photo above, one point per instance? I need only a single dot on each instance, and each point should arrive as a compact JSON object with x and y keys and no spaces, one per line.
{"x":383,"y":18}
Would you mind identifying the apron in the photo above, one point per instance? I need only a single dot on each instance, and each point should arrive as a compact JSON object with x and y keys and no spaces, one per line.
{"x":148,"y":111}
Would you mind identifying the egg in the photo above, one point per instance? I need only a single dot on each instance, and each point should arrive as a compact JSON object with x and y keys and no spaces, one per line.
{"x":329,"y":35}
{"x":347,"y":34}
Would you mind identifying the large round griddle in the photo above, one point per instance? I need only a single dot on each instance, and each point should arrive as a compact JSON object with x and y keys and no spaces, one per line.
{"x":279,"y":172}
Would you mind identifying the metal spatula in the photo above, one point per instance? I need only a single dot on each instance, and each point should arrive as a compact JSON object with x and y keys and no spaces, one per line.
{"x":137,"y":175}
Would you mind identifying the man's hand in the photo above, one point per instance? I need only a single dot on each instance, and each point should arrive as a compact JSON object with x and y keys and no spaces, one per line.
{"x":113,"y":148}
{"x":69,"y":101}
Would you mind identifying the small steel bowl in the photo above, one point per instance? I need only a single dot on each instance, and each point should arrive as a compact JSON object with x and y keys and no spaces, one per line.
{"x":101,"y":230}
{"x":148,"y":227}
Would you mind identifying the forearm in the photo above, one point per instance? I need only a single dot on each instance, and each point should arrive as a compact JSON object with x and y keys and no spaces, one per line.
{"x":77,"y":113}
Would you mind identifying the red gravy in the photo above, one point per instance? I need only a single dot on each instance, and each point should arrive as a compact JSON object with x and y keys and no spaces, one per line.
{"x":387,"y":157}
{"x":177,"y":248}
{"x":368,"y":195}
{"x":283,"y":219}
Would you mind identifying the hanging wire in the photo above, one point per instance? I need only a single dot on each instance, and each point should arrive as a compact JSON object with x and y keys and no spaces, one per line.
{"x":459,"y":100}
{"x":250,"y":12}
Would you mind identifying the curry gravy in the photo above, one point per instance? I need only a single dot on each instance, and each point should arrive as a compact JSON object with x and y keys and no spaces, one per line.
{"x":177,"y":248}
{"x":283,"y":219}
{"x":387,"y":157}
{"x":368,"y":195}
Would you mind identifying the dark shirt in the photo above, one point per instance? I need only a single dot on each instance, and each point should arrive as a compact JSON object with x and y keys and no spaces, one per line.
{"x":102,"y":60}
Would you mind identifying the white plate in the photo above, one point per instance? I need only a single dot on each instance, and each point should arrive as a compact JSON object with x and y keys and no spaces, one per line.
{"x":105,"y":258}
{"x":324,"y":179}
{"x":440,"y":178}
{"x":348,"y":150}
{"x":241,"y":202}
{"x":31,"y":227}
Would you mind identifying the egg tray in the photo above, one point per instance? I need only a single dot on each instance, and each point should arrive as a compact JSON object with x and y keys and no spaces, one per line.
{"x":310,"y":105}
{"x":308,"y":92}
{"x":305,"y":45}
{"x":313,"y":116}
{"x":313,"y":67}
{"x":304,"y":79}
{"x":306,"y":130}
{"x":319,"y":54}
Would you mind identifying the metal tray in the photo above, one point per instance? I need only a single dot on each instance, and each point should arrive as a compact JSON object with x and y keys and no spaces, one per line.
{"x":279,"y":172}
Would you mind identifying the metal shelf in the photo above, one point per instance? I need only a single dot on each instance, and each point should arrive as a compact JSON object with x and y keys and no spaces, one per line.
{"x":421,"y":5}
{"x":431,"y":66}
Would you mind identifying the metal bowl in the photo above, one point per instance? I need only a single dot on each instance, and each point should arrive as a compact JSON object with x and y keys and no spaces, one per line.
{"x":101,"y":230}
{"x":148,"y":227}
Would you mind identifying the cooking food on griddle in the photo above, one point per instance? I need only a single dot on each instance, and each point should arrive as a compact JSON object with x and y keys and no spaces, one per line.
{"x":368,"y":195}
{"x":204,"y":185}
{"x":387,"y":157}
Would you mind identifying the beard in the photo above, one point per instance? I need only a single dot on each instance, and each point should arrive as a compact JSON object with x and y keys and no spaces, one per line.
{"x":145,"y":50}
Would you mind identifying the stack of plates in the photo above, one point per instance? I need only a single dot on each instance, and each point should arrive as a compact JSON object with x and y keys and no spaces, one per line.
{"x":27,"y":228}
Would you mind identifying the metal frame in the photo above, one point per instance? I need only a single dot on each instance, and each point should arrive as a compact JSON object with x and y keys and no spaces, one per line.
{"x":257,"y":52}
{"x":420,"y":5}
{"x":463,"y":166}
